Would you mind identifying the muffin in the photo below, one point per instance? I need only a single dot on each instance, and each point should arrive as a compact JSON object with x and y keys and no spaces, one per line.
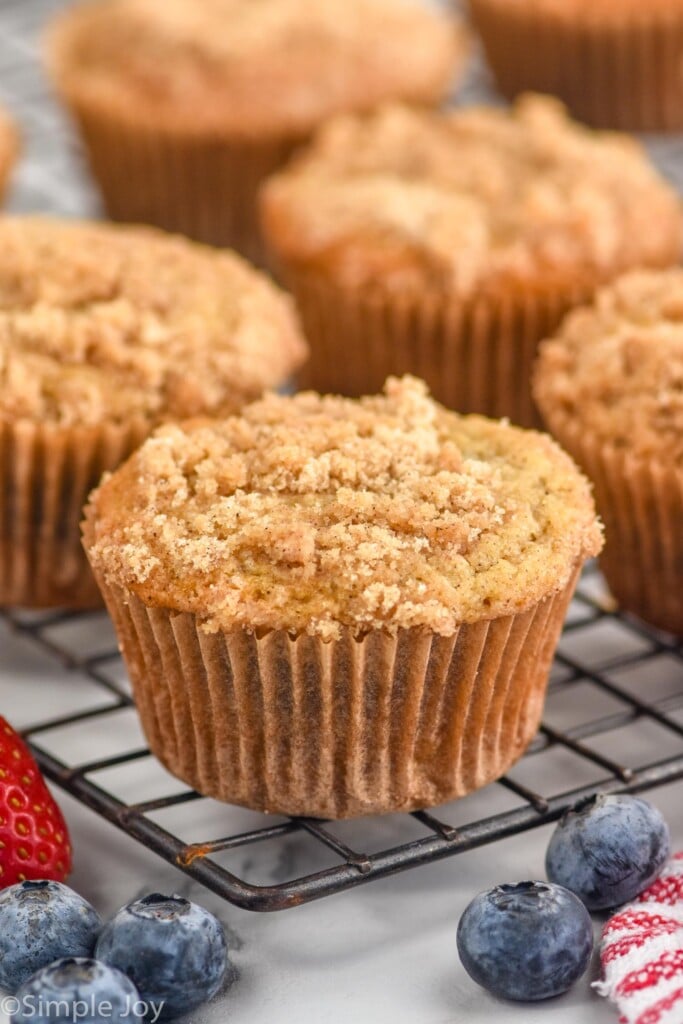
{"x":333,"y":607}
{"x":610,"y":387}
{"x":104,"y":333}
{"x":9,"y":149}
{"x":185,"y":106}
{"x":449,"y":244}
{"x":616,"y":63}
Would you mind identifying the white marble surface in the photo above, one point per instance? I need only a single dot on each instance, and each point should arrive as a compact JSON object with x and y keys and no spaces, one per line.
{"x":385,"y":951}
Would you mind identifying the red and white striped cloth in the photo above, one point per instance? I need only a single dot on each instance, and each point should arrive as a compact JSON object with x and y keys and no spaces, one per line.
{"x":642,"y":953}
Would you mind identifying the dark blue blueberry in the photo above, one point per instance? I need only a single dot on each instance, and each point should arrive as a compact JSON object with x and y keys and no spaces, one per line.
{"x":608,"y":849}
{"x":39,"y":923}
{"x":525,"y":941}
{"x":77,"y":989}
{"x":174,"y":951}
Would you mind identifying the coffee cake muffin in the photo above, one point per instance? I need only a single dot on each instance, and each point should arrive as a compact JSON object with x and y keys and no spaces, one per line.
{"x":185,"y":106}
{"x":610,"y":386}
{"x":616,"y":63}
{"x":450,"y":244}
{"x":9,"y":149}
{"x":333,"y":607}
{"x":105,"y":333}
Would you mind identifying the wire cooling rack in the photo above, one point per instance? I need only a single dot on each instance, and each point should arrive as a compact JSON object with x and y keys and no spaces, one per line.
{"x":614,"y":716}
{"x":611,"y":676}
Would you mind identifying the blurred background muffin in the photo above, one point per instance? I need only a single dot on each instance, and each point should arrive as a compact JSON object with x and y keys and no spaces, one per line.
{"x":449,"y":244}
{"x":610,"y":387}
{"x":9,"y":150}
{"x":104,"y":333}
{"x":615,"y":63}
{"x":185,"y":106}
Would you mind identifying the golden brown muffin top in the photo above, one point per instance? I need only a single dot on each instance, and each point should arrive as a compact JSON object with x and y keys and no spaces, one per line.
{"x":254,"y":67}
{"x":107,"y":323}
{"x":615,"y":369}
{"x":309,"y":513}
{"x":470,"y":199}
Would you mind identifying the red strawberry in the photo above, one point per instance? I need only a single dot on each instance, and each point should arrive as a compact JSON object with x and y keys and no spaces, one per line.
{"x":34,"y":842}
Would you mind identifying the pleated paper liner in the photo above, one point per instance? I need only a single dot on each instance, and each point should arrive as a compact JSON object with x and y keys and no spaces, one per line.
{"x":46,"y":474}
{"x":199,"y":186}
{"x":294,"y":725}
{"x":476,"y":355}
{"x":623,"y":73}
{"x":641,"y":504}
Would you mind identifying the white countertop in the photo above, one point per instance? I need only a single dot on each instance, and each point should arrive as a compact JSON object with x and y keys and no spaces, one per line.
{"x":382,"y":952}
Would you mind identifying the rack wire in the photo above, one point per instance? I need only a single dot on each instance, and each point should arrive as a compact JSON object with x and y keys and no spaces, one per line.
{"x":636,"y":650}
{"x":616,"y":685}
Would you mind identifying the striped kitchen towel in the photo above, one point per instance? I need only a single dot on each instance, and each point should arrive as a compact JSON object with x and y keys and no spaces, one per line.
{"x":642,"y":953}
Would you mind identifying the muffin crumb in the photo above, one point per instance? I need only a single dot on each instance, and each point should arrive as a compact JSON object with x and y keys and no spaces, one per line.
{"x":101,"y":323}
{"x":310,"y":513}
{"x":616,"y":367}
{"x":246,"y":68}
{"x":473,"y":199}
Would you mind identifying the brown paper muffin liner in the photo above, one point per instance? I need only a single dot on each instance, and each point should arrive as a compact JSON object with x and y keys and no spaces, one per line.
{"x":46,"y":474}
{"x":476,"y":355}
{"x":202,"y":187}
{"x":641,"y":504}
{"x":296,"y":725}
{"x":625,"y":74}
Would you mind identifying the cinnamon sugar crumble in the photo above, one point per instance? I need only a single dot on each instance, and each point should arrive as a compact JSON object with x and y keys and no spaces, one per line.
{"x":470,"y":198}
{"x":309,"y":513}
{"x":247,"y":66}
{"x":616,"y":367}
{"x":103,"y":323}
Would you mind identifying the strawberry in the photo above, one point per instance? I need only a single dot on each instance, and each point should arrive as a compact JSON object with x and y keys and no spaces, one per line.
{"x":34,"y":842}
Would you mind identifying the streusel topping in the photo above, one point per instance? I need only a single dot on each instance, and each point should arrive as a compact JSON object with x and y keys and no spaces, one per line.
{"x":472,"y":198}
{"x":105,"y":323}
{"x":616,"y":367}
{"x":308,"y":513}
{"x":257,"y":66}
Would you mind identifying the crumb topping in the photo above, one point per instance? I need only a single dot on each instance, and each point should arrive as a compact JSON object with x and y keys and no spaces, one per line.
{"x":469,"y":198}
{"x":616,"y":367}
{"x":105,"y":323}
{"x":248,"y":65}
{"x":307,"y":513}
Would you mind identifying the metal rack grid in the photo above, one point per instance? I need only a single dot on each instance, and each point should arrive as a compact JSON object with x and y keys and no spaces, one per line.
{"x":533,"y":805}
{"x":52,"y":178}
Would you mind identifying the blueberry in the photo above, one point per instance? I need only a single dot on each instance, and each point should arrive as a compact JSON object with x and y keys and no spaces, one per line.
{"x":608,"y":849}
{"x":77,"y":989}
{"x":527,"y":940}
{"x":39,"y":923}
{"x":174,"y":951}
